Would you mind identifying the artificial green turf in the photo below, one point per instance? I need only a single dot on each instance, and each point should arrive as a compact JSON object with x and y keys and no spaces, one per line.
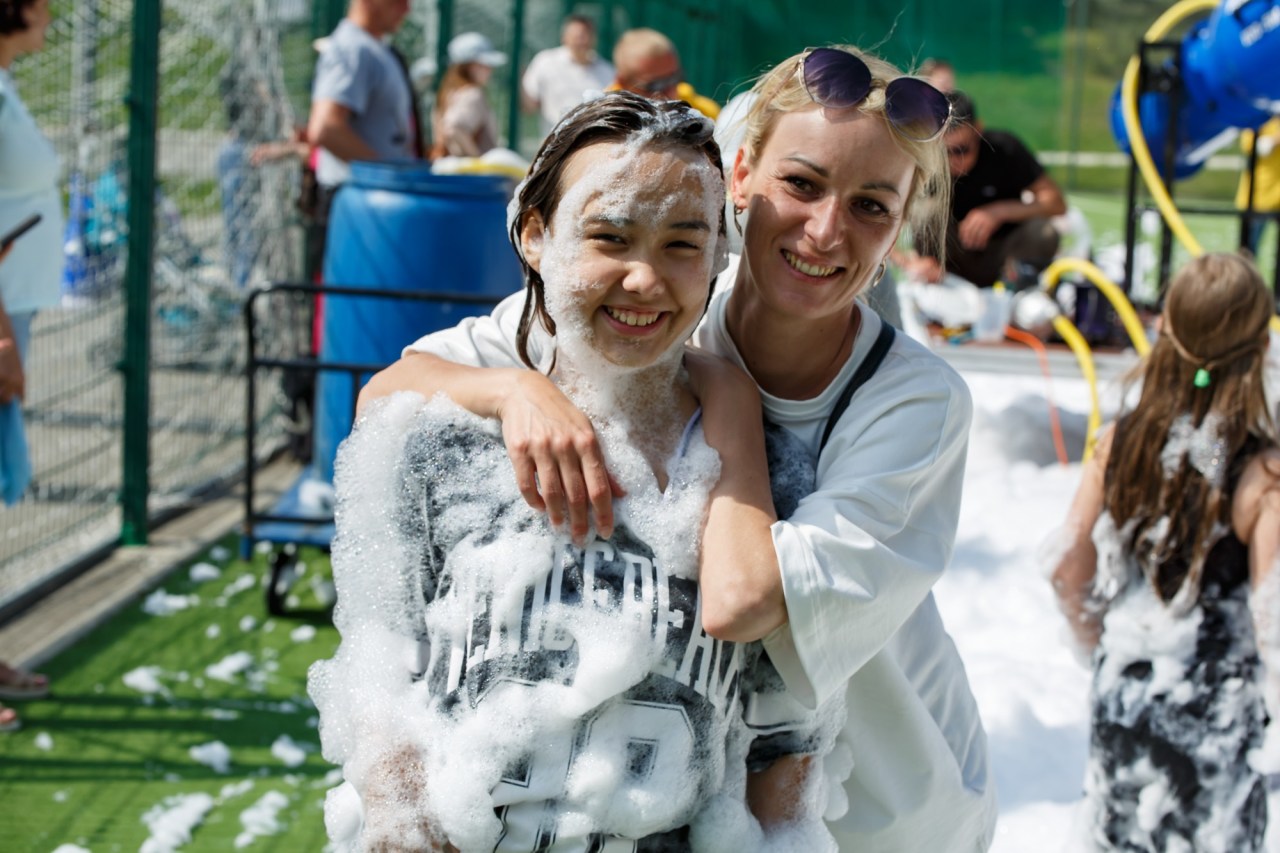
{"x":96,"y":755}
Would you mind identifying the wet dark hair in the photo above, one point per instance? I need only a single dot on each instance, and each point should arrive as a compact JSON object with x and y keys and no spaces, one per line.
{"x":11,"y":19}
{"x":613,"y":117}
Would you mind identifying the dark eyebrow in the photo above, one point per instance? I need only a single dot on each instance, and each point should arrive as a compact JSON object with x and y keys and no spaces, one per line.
{"x":694,"y":225}
{"x":822,"y":171}
{"x":809,"y":164}
{"x":625,"y":222}
{"x":614,"y":221}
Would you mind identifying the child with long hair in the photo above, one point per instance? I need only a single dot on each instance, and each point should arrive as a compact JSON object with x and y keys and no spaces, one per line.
{"x":1169,"y":577}
{"x":503,"y":685}
{"x":463,"y":122}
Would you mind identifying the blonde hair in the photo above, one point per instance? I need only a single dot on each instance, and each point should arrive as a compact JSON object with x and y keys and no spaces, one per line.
{"x":781,"y":90}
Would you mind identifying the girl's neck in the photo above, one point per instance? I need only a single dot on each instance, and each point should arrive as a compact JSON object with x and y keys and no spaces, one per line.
{"x":646,"y":410}
{"x":792,"y":358}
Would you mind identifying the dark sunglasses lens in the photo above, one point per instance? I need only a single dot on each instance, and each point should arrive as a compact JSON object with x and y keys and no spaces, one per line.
{"x":835,"y":78}
{"x":916,"y":109}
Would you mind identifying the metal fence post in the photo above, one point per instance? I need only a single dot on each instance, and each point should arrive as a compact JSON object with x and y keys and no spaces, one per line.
{"x":325,"y":15}
{"x":444,"y":32}
{"x":608,"y":32}
{"x":513,"y":104}
{"x":142,"y":101}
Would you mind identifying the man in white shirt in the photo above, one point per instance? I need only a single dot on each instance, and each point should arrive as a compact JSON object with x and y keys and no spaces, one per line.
{"x":557,"y":77}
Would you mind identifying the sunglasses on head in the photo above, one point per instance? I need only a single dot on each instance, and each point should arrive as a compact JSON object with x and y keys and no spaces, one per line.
{"x":834,"y":78}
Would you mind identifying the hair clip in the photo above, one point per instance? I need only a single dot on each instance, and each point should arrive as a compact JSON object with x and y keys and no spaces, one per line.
{"x":1202,"y":378}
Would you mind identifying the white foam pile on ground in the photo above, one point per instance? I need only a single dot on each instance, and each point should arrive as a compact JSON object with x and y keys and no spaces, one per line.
{"x":215,"y":755}
{"x":172,"y":821}
{"x":230,"y":666}
{"x":161,"y":603}
{"x":202,"y":572}
{"x":145,"y":679}
{"x":289,"y":751}
{"x":261,"y":818}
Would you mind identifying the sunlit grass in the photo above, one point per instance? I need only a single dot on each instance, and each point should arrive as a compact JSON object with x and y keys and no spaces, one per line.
{"x":94,"y":757}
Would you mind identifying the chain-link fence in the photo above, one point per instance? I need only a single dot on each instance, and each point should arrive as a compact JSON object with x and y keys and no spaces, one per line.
{"x":224,"y":222}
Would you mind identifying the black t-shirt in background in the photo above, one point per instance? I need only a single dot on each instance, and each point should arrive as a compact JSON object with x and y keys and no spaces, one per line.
{"x":1005,"y":168}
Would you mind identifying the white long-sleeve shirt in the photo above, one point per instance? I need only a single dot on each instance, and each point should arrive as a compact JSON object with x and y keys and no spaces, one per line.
{"x":858,"y":558}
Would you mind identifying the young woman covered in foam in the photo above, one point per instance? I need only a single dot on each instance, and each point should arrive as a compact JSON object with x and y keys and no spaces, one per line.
{"x":839,"y":588}
{"x":1173,"y":537}
{"x":499,"y":687}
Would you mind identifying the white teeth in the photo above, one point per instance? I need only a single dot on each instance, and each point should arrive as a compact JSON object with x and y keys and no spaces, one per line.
{"x":808,"y":269}
{"x":631,"y":318}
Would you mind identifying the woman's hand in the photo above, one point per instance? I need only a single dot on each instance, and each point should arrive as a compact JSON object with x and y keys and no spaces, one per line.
{"x":395,"y":817}
{"x":778,"y":795}
{"x":13,"y":382}
{"x":12,"y":379}
{"x":558,"y":462}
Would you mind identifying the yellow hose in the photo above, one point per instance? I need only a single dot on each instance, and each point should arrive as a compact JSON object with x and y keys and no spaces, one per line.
{"x":1069,"y":333}
{"x":1175,"y":15}
{"x":1109,"y":289}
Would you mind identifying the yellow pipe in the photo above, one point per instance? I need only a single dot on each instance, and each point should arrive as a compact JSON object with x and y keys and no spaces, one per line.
{"x":1069,"y":333}
{"x":1133,"y":125}
{"x":1109,"y":289}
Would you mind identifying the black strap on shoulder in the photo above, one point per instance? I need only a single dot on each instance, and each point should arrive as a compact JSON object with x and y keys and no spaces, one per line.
{"x":418,"y":130}
{"x":865,"y":371}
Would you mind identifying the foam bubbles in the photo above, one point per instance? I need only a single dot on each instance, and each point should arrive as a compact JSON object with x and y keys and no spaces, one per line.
{"x":261,"y":818}
{"x":161,"y":603}
{"x":486,"y":661}
{"x":215,"y":755}
{"x":172,"y":821}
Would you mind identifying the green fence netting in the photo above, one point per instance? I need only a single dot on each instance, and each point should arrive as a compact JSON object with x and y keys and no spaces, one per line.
{"x":223,"y":224}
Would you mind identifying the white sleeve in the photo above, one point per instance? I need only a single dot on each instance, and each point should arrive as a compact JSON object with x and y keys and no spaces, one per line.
{"x":861,"y":553}
{"x":485,"y":341}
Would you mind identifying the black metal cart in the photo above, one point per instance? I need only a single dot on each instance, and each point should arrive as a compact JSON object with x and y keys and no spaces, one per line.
{"x":298,"y":517}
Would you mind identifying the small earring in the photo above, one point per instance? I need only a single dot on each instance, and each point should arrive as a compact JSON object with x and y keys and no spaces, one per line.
{"x":737,"y":223}
{"x":884,"y":267}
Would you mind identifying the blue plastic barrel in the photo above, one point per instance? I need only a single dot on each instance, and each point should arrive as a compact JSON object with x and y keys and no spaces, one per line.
{"x":400,"y":227}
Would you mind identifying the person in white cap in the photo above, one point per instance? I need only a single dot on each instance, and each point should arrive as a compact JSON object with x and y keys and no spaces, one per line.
{"x":463,"y":122}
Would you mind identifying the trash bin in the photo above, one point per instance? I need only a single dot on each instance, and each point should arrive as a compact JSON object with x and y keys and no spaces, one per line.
{"x":401,"y":227}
